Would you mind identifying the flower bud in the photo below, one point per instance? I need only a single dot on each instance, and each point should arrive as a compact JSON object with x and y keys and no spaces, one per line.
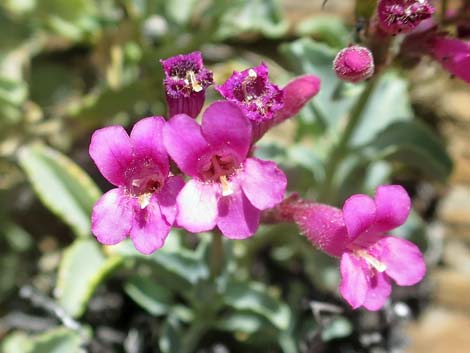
{"x":354,"y":64}
{"x":402,"y":16}
{"x":186,"y":81}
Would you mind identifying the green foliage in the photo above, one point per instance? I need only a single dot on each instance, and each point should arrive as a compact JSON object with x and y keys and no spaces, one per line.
{"x":61,"y":185}
{"x":60,"y":340}
{"x":83,"y":267}
{"x":412,"y":143}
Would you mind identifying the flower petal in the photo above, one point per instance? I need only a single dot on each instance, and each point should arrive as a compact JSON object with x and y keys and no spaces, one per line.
{"x":296,"y":94}
{"x":197,"y":206}
{"x":224,"y":125}
{"x":111,"y":218}
{"x":184,"y":142}
{"x":149,"y":228}
{"x":359,"y":214}
{"x":354,"y":284}
{"x":393,"y":206}
{"x":263,"y":183}
{"x":404,"y":261}
{"x":147,"y":140}
{"x":379,"y":290}
{"x":237,"y":219}
{"x":167,"y":197}
{"x":111,"y":150}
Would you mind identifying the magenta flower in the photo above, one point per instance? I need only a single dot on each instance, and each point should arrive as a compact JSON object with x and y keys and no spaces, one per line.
{"x":454,"y":56}
{"x":186,"y":81}
{"x":358,"y":235}
{"x":252,"y":91}
{"x":227,"y":189}
{"x":402,"y":16}
{"x":354,"y":64}
{"x":144,"y":203}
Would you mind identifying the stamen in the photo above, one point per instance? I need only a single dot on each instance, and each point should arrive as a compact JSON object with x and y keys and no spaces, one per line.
{"x":144,"y":200}
{"x":227,"y":189}
{"x":379,"y":266}
{"x":194,"y":82}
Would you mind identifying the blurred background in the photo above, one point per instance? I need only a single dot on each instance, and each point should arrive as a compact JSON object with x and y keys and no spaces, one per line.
{"x":70,"y":67}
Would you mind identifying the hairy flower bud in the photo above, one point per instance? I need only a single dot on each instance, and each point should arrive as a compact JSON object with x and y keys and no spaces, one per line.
{"x":186,"y":81}
{"x":402,"y":16}
{"x":354,"y":64}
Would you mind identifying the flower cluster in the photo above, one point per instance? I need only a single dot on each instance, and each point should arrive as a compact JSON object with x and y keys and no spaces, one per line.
{"x":215,"y":181}
{"x":225,"y":185}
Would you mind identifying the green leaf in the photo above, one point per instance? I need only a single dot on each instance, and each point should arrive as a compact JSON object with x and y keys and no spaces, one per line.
{"x":82,"y":268}
{"x":61,"y":185}
{"x":57,"y":340}
{"x":388,"y":103}
{"x":252,"y":17}
{"x":415,"y":145}
{"x":16,"y":342}
{"x":254,"y":297}
{"x":244,"y":322}
{"x":151,"y":296}
{"x":180,"y":10}
{"x":72,"y":18}
{"x":184,"y":264}
{"x":328,"y":29}
{"x":171,"y":336}
{"x":338,"y":328}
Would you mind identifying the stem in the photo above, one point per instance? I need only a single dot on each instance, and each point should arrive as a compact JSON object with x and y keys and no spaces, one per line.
{"x":338,"y":153}
{"x":192,"y":336}
{"x":217,"y":255}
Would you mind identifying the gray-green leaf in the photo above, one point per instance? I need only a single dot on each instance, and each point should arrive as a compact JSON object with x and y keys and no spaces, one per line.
{"x":254,"y":297}
{"x":82,"y":268}
{"x":61,"y":185}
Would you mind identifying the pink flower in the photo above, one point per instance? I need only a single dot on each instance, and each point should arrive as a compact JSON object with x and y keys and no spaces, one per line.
{"x":252,"y":91}
{"x":402,"y":16}
{"x":358,"y":235}
{"x":227,"y":189}
{"x":144,"y":202}
{"x":263,"y":102}
{"x":454,"y":56}
{"x":354,"y":64}
{"x":186,"y":81}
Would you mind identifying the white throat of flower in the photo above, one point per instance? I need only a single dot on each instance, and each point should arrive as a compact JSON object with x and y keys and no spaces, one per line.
{"x":227,"y":188}
{"x":144,"y":199}
{"x":372,"y":261}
